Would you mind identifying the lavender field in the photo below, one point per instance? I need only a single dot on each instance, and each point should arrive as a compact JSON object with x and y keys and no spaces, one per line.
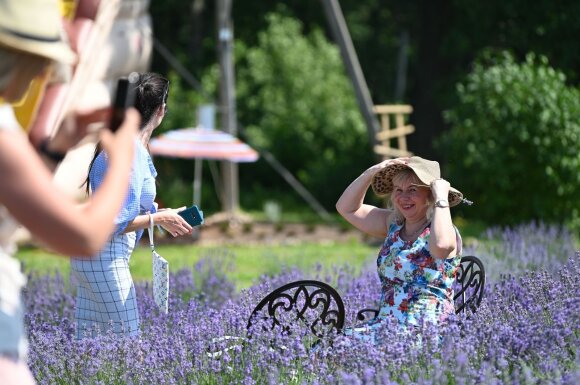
{"x":525,"y":332}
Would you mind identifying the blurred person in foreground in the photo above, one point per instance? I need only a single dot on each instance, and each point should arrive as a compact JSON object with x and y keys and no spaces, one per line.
{"x":421,"y":251}
{"x":29,"y":43}
{"x":106,"y":293}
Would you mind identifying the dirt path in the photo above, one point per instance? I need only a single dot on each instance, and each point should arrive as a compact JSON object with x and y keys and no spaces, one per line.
{"x":256,"y":233}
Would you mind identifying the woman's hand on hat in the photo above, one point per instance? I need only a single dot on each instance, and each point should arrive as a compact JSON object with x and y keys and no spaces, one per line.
{"x":389,"y":162}
{"x":440,"y":188}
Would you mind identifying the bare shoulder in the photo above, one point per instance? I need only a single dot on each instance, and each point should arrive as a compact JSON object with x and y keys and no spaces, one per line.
{"x":12,"y":145}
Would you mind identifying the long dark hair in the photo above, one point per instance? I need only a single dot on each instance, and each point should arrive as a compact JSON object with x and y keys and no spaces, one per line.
{"x":151,"y":93}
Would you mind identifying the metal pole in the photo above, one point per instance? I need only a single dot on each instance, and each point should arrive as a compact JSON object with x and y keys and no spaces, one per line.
{"x":227,"y":106}
{"x":401,"y":81}
{"x":342,"y":38}
{"x":198,"y":169}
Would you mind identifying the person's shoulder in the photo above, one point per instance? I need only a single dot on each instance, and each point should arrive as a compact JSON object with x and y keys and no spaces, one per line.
{"x":143,"y":161}
{"x":102,"y":157}
{"x":99,"y":166}
{"x":392,"y":225}
{"x":141,"y":151}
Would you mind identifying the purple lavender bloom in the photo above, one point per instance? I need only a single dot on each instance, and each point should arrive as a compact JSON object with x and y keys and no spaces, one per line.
{"x":526,"y":330}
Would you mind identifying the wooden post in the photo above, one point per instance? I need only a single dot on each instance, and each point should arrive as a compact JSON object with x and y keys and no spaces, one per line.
{"x":399,"y":131}
{"x":227,"y":106}
{"x":342,"y":37}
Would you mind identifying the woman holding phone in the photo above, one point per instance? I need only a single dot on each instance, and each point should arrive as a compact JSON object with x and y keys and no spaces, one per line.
{"x":106,"y":293}
{"x":29,"y":44}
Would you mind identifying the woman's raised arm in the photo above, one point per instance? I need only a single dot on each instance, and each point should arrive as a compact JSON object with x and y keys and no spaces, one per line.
{"x":27,"y":191}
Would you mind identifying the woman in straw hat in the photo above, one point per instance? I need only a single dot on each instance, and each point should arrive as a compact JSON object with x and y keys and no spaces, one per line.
{"x":421,"y":251}
{"x":29,"y":42}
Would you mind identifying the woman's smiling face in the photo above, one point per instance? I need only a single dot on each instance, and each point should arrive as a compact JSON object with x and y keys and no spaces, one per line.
{"x":410,"y":196}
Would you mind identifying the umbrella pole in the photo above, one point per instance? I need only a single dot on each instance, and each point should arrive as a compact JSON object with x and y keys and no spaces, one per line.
{"x":197,"y":181}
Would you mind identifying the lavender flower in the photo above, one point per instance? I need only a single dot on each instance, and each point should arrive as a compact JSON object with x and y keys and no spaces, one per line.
{"x":526,"y":330}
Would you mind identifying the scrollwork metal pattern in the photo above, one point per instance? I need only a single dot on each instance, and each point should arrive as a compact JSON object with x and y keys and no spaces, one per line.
{"x":471,"y":278}
{"x":294,"y":300}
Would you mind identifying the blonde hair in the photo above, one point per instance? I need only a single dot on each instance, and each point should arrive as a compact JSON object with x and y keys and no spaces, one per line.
{"x":407,"y":176}
{"x":8,"y":62}
{"x":24,"y":65}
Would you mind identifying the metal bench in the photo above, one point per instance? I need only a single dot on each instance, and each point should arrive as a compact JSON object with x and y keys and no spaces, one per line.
{"x":320,"y":308}
{"x":294,"y":300}
{"x":314,"y":303}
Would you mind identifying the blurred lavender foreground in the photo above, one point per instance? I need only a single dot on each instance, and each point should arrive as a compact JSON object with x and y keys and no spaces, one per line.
{"x":525,"y":332}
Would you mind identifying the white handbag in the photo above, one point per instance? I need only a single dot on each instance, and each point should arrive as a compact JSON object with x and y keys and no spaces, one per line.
{"x":160,"y":274}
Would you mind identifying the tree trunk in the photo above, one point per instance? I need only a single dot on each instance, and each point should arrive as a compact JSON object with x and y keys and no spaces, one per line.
{"x":429,"y":71}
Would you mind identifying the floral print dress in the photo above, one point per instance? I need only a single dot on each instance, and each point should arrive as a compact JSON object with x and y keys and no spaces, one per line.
{"x":415,"y":287}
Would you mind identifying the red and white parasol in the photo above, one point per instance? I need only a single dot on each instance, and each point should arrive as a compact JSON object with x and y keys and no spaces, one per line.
{"x":201,"y":143}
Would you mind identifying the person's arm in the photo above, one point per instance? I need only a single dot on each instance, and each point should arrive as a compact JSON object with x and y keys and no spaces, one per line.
{"x":169,"y":219}
{"x":443,"y":238}
{"x":367,"y":218}
{"x":74,"y":128}
{"x":27,"y":191}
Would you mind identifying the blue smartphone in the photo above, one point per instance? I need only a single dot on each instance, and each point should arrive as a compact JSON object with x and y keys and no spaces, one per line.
{"x":192,"y":215}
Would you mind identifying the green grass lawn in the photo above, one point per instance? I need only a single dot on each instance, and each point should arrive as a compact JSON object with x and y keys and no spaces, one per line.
{"x":243,"y":264}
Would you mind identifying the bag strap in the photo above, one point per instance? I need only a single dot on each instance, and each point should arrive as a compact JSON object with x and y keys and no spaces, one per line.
{"x":151,"y":244}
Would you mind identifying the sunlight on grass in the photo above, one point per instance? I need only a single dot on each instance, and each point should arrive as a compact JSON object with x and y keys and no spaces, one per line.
{"x":244,"y":264}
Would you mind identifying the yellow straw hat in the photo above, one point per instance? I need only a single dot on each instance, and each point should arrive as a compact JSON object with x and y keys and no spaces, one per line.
{"x":34,"y":26}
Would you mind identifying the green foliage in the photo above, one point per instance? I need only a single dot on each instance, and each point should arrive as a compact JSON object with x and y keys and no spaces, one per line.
{"x":514,"y":146}
{"x":181,"y":106}
{"x":444,"y":39}
{"x":297,"y":103}
{"x":544,"y":27}
{"x":175,"y":176}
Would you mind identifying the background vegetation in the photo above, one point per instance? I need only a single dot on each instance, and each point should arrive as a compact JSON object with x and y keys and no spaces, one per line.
{"x":474,"y":60}
{"x":516,"y":124}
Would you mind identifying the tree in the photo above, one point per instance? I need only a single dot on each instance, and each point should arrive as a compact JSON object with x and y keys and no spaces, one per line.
{"x":296,"y":101}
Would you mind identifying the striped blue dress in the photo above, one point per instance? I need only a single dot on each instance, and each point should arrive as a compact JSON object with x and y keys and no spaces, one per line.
{"x":106,"y":298}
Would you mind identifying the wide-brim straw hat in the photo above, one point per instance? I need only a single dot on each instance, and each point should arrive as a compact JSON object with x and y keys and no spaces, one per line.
{"x":34,"y":26}
{"x":426,"y":170}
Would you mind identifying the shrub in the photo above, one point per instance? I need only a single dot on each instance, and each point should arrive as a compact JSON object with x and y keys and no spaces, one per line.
{"x":514,"y":143}
{"x":297,"y":102}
